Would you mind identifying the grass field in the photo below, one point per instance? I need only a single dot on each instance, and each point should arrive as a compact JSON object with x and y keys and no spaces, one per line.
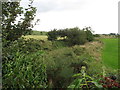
{"x":110,"y":52}
{"x":39,"y":37}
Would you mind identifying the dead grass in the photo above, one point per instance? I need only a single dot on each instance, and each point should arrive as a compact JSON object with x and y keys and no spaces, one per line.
{"x":94,"y":49}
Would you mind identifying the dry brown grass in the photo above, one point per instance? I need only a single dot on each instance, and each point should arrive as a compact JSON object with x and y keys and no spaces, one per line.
{"x":94,"y":49}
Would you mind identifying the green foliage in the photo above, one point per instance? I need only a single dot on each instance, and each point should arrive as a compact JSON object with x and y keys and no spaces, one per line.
{"x":62,"y":63}
{"x":12,"y":29}
{"x":52,"y":35}
{"x":96,"y":35}
{"x":25,"y":71}
{"x":58,"y":44}
{"x":23,"y":66}
{"x":89,"y":35}
{"x":74,"y":36}
{"x":84,"y":81}
{"x":38,"y":33}
{"x":22,"y":45}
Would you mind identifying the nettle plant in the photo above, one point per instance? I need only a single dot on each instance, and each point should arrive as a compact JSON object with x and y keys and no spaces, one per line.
{"x":84,"y":81}
{"x":101,"y":80}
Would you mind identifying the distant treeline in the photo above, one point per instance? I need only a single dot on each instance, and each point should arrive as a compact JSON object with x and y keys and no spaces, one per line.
{"x":113,"y":35}
{"x":38,"y":33}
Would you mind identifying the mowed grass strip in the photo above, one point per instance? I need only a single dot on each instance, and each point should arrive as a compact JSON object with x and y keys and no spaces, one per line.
{"x":110,"y":52}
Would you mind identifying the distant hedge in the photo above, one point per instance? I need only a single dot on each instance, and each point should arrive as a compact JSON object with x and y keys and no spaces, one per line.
{"x":74,"y":36}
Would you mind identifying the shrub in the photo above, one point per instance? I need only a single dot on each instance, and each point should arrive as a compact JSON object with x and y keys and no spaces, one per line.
{"x":58,"y":44}
{"x":25,"y":71}
{"x":52,"y":35}
{"x":62,"y":64}
{"x":96,"y":35}
{"x":22,"y":45}
{"x":89,"y":35}
{"x":76,"y":37}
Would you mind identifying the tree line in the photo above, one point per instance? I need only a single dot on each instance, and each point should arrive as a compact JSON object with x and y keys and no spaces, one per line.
{"x":74,"y":36}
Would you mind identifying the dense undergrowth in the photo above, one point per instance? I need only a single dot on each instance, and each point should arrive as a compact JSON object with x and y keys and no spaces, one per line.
{"x":49,"y":64}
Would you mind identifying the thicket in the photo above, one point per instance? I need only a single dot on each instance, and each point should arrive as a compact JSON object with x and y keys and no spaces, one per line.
{"x":22,"y":65}
{"x":62,"y":64}
{"x":74,"y":36}
{"x":37,"y":63}
{"x":24,"y":71}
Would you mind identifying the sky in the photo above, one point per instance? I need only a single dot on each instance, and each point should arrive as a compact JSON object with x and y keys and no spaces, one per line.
{"x":100,"y":15}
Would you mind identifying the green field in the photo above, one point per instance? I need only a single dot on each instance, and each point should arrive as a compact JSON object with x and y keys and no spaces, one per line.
{"x":110,"y":52}
{"x":40,"y":37}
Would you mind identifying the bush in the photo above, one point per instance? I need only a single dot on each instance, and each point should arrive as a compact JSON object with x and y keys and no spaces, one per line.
{"x":22,"y":64}
{"x":58,"y":44}
{"x":25,"y":71}
{"x":52,"y":35}
{"x":89,"y":35}
{"x":63,"y":63}
{"x":21,"y":45}
{"x":96,"y":35}
{"x":76,"y":37}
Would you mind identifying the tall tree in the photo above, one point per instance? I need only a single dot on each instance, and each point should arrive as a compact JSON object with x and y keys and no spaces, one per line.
{"x":16,"y":21}
{"x":89,"y":33}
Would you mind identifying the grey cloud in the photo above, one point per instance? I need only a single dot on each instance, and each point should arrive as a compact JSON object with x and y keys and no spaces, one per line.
{"x":58,"y":5}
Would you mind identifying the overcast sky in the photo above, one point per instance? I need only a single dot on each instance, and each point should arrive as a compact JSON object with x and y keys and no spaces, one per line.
{"x":100,"y":15}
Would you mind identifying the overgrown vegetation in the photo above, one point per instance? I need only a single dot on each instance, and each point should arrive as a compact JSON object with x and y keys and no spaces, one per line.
{"x":29,"y":62}
{"x":21,"y":67}
{"x":25,"y":71}
{"x":84,"y":81}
